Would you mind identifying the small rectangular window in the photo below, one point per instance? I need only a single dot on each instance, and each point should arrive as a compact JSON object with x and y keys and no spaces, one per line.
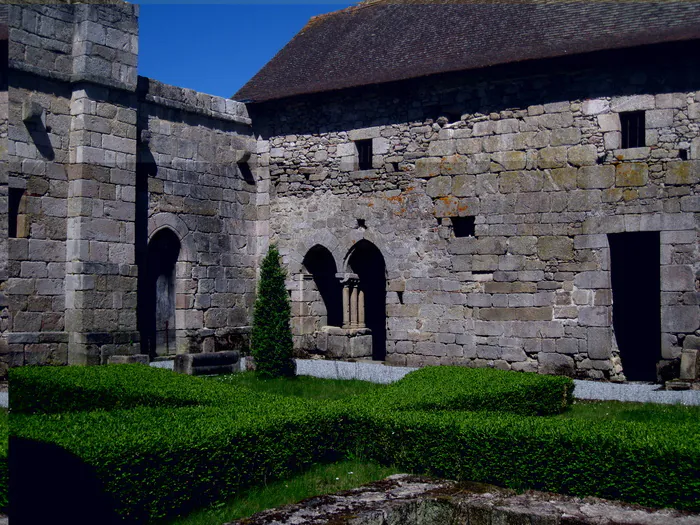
{"x":464,"y":226}
{"x":364,"y":154}
{"x":633,"y":129}
{"x":13,"y":209}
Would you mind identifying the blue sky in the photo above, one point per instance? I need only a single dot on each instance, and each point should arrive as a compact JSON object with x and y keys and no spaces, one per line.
{"x":216,"y":48}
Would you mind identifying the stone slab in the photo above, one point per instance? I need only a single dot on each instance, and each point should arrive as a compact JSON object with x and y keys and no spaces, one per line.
{"x":360,"y":370}
{"x":414,"y":500}
{"x":634,"y":393}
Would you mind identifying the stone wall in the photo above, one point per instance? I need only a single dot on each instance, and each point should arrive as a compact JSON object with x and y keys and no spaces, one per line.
{"x":198,"y":155}
{"x":533,"y":154}
{"x":103,"y":161}
{"x":4,"y":312}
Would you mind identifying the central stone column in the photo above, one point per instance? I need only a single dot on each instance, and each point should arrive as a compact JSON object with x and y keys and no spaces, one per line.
{"x":353,"y":301}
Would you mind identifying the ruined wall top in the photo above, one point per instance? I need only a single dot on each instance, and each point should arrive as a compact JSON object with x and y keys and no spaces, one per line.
{"x":192,"y":101}
{"x":76,"y":42}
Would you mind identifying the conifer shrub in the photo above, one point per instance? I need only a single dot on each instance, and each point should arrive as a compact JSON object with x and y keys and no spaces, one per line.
{"x":271,"y":341}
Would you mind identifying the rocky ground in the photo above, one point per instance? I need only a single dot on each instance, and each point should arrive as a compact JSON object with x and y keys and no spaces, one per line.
{"x":410,"y":500}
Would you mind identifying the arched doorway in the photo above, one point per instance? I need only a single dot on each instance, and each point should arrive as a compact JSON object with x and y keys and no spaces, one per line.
{"x":158,"y":315}
{"x":319,"y":263}
{"x":367,"y":262}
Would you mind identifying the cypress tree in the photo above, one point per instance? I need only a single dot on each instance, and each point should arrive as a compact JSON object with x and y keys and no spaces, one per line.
{"x":271,"y":341}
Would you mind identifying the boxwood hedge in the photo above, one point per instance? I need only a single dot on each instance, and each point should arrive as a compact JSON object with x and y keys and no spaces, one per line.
{"x":459,"y":388}
{"x":152,"y":461}
{"x":4,"y":469}
{"x":42,"y":389}
{"x":629,"y":461}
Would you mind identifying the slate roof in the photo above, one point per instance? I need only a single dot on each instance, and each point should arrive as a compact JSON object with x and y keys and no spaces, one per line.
{"x":387,"y":40}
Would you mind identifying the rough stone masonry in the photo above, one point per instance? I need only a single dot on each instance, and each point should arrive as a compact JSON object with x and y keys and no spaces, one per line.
{"x":539,"y":216}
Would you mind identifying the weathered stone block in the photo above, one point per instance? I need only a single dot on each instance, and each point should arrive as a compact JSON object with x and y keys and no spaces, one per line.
{"x":595,"y":106}
{"x":596,"y":177}
{"x":552,"y":157}
{"x":659,"y":118}
{"x":442,"y":148}
{"x":522,"y":245}
{"x":677,"y":278}
{"x":555,"y":247}
{"x":510,"y":160}
{"x":681,"y":173}
{"x":141,"y":359}
{"x":633,"y":103}
{"x":612,"y":140}
{"x":592,"y":280}
{"x":427,"y":167}
{"x":439,"y":186}
{"x":595,"y":316}
{"x":464,"y":186}
{"x":566,"y":346}
{"x":586,"y":155}
{"x":680,"y":319}
{"x":562,"y":179}
{"x":599,"y":343}
{"x":469,"y":146}
{"x":631,"y":174}
{"x":552,"y":363}
{"x":690,"y":364}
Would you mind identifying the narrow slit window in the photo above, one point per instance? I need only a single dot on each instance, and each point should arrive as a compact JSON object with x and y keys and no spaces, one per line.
{"x":464,"y":226}
{"x":633,"y":129}
{"x":13,"y":209}
{"x":364,"y":154}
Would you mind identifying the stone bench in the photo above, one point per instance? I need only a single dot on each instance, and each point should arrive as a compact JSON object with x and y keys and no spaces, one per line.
{"x":210,"y":363}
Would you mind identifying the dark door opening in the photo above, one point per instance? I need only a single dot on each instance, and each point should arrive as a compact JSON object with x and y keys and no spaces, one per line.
{"x":636,"y":287}
{"x":320,"y":264}
{"x":159,"y":303}
{"x":368,"y":263}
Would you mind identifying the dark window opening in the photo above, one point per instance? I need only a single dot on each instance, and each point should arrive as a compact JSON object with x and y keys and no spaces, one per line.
{"x":361,"y":223}
{"x":395,"y":165}
{"x":683,"y":154}
{"x":3,"y":65}
{"x":633,"y":129}
{"x":464,"y":226}
{"x":636,"y":291}
{"x":364,"y":153}
{"x":453,"y":116}
{"x":439,"y":221}
{"x":13,"y":209}
{"x":400,"y":295}
{"x":246,"y":172}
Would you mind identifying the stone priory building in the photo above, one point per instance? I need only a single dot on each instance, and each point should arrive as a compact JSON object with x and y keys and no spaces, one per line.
{"x":511,"y":185}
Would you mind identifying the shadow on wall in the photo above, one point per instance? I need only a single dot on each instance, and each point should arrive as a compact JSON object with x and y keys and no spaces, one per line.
{"x":610,"y":74}
{"x":320,"y":264}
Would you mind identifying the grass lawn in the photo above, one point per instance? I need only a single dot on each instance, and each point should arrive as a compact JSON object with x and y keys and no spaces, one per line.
{"x":319,"y":480}
{"x":638,"y":412}
{"x":301,"y":386}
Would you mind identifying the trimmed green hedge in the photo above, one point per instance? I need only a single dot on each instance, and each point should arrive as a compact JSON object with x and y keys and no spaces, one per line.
{"x":4,"y":469}
{"x":156,"y":461}
{"x":43,"y":389}
{"x":632,"y":462}
{"x":459,"y":388}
